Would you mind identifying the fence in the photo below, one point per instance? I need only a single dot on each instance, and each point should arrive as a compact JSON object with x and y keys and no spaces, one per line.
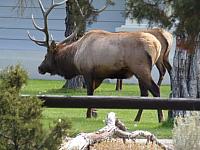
{"x":120,"y":102}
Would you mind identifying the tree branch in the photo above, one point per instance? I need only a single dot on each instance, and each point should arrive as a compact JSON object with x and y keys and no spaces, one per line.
{"x":4,"y":136}
{"x":113,"y":128}
{"x":81,"y":11}
{"x":108,"y":2}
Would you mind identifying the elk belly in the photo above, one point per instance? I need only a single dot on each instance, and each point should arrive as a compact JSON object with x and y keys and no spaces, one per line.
{"x":102,"y":72}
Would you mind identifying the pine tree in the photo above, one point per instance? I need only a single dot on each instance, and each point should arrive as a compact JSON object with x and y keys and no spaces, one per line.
{"x":20,"y":117}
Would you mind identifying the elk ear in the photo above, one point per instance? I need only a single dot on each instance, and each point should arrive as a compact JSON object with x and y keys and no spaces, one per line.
{"x":53,"y":46}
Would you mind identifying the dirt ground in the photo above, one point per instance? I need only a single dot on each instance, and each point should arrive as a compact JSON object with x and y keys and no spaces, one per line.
{"x":119,"y":145}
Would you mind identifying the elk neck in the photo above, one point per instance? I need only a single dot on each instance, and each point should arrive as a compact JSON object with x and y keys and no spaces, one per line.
{"x":64,"y":60}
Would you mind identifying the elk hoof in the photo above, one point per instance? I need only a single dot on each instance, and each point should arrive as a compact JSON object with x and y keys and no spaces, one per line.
{"x":94,"y":114}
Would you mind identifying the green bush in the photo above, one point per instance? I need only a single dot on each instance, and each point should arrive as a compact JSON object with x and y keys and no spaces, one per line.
{"x":20,"y":117}
{"x":13,"y":77}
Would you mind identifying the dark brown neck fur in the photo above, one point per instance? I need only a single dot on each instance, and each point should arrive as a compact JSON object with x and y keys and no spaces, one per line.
{"x":64,"y":61}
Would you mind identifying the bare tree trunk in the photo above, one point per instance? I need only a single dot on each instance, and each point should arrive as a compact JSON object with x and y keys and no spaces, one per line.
{"x":78,"y":81}
{"x":185,"y":76}
{"x":192,"y":76}
{"x":198,"y":69}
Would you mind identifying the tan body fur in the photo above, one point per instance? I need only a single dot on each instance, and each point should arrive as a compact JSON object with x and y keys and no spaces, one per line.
{"x":103,"y":54}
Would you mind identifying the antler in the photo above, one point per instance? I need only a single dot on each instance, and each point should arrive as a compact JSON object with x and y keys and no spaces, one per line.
{"x":45,"y":13}
{"x":108,"y":2}
{"x":71,"y":36}
{"x":45,"y":28}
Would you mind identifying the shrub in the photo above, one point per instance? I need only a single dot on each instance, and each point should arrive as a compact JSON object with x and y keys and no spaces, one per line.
{"x":13,"y":77}
{"x":20,"y":117}
{"x":186,"y":132}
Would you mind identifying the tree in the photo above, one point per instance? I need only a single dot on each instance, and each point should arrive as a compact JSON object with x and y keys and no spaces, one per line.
{"x":80,"y":13}
{"x":20,"y":117}
{"x":183,"y":16}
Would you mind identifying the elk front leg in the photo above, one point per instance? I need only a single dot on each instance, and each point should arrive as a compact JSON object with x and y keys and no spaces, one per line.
{"x":91,"y":85}
{"x":155,"y":90}
{"x":90,"y":91}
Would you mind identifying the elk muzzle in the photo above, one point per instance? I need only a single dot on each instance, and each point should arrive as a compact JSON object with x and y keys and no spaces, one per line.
{"x":41,"y":70}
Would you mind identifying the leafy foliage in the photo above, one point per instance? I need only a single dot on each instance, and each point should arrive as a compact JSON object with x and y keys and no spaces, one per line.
{"x":89,"y":14}
{"x":183,"y":15}
{"x":187,"y":12}
{"x":13,"y":77}
{"x":76,"y":17}
{"x":20,"y":117}
{"x":153,"y":11}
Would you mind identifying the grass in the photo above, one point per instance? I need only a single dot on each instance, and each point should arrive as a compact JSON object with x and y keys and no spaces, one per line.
{"x":148,"y":122}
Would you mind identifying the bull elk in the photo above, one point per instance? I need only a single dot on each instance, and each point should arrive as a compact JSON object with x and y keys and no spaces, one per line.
{"x":99,"y":54}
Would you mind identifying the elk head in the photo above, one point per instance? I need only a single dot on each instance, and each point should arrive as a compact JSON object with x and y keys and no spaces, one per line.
{"x":48,"y":64}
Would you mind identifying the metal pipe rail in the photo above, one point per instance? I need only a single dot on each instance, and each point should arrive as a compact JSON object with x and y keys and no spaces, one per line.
{"x":120,"y":102}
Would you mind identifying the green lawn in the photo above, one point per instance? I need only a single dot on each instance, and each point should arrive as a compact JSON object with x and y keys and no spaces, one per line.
{"x":148,"y":122}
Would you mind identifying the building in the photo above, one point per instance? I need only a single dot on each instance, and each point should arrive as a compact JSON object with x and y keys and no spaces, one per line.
{"x":15,"y":46}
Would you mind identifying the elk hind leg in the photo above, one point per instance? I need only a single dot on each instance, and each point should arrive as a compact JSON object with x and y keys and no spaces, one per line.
{"x":143,"y":93}
{"x":166,"y":62}
{"x":169,"y":68}
{"x":148,"y":84}
{"x":154,"y":89}
{"x":120,"y":84}
{"x":162,"y":71}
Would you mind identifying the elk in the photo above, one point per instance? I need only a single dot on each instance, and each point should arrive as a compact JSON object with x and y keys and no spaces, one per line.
{"x":100,"y":54}
{"x":166,"y":40}
{"x":162,"y":63}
